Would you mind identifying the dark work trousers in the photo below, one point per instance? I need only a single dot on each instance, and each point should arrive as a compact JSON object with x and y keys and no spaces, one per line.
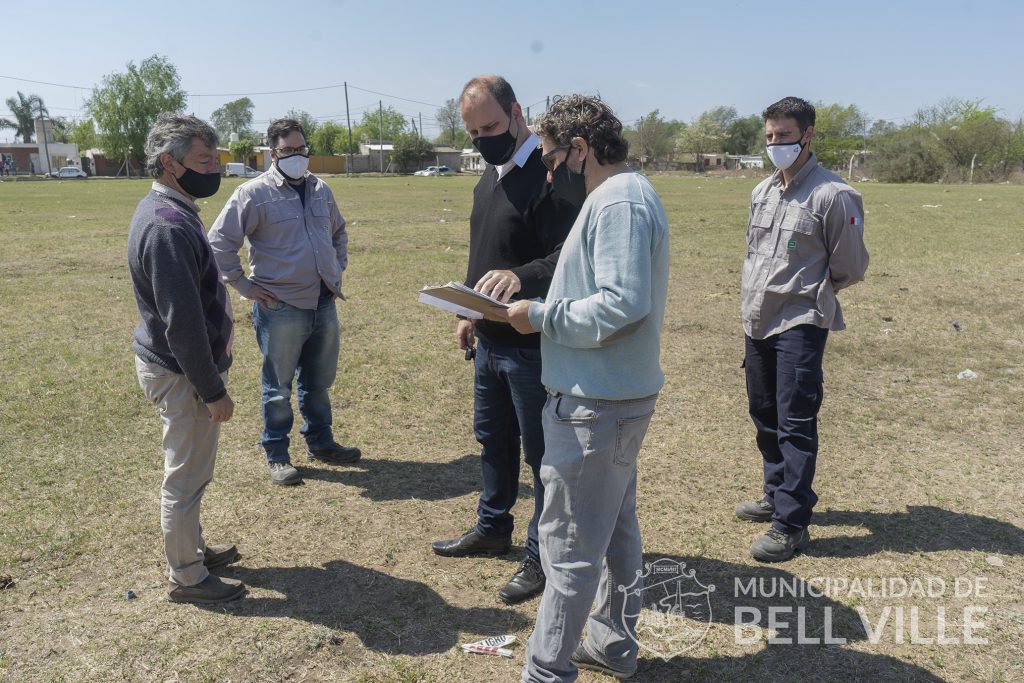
{"x":508,"y":404}
{"x":785,"y":390}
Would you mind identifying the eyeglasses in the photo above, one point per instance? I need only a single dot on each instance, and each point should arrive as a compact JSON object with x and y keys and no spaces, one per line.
{"x":549,"y":158}
{"x":288,"y":151}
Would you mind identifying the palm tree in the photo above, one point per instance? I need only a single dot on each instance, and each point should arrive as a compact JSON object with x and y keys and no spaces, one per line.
{"x":25,"y":110}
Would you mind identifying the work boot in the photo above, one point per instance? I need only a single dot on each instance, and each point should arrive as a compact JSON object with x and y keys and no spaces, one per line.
{"x":527,"y":582}
{"x":584,"y":660}
{"x":756,"y":511}
{"x":220,"y":555}
{"x":210,"y":590}
{"x":283,"y":474}
{"x":335,"y":454}
{"x":776,"y":546}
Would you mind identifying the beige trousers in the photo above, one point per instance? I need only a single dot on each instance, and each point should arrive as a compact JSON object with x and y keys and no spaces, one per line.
{"x":190,"y":450}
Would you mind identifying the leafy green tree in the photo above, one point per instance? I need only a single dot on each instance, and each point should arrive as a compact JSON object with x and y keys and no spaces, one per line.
{"x":305,"y":119}
{"x":744,"y":136}
{"x":370,"y":126}
{"x":127,"y":104}
{"x":242,"y":148}
{"x":906,"y":155}
{"x":462,"y":139}
{"x":450,"y":120}
{"x":25,"y":111}
{"x":332,"y":138}
{"x":839,"y":132}
{"x":60,"y":128}
{"x":83,"y":134}
{"x":963,"y":129}
{"x":706,"y":134}
{"x":234,"y":117}
{"x":653,"y":137}
{"x":410,"y":151}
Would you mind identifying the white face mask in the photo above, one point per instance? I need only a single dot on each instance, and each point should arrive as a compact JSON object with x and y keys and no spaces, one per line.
{"x":293,"y":167}
{"x":783,"y":155}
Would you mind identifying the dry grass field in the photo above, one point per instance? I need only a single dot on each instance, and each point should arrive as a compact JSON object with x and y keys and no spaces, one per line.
{"x":919,"y":476}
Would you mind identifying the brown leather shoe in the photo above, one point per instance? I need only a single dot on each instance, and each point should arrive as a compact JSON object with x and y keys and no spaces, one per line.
{"x":220,"y":555}
{"x":212,"y":589}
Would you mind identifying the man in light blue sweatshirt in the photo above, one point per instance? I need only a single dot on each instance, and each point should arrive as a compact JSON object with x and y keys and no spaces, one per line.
{"x":600,"y":327}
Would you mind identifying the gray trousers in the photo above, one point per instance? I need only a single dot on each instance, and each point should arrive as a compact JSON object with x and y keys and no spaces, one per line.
{"x":190,"y":451}
{"x":589,"y":535}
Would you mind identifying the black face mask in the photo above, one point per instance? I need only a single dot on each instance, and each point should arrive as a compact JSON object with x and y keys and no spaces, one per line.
{"x":497,"y":149}
{"x":199,"y":185}
{"x":567,"y":184}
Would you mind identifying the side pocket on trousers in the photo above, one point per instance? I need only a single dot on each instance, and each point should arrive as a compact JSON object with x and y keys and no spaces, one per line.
{"x":629,"y":436}
{"x":810,"y":392}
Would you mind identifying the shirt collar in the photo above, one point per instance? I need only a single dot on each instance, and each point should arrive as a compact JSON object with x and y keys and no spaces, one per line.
{"x":279,"y":178}
{"x":520,"y":157}
{"x":167,"y":191}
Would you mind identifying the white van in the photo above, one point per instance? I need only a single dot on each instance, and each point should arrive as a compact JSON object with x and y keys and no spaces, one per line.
{"x":232,"y":170}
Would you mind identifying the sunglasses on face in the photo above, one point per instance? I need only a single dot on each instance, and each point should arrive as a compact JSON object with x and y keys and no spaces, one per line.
{"x":549,"y":158}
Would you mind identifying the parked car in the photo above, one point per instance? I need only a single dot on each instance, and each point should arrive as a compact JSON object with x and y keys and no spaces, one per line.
{"x":69,"y":172}
{"x":233,"y":170}
{"x":435,"y":170}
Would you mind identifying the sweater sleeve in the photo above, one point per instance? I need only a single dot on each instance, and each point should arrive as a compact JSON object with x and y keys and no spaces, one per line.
{"x":620,"y":253}
{"x":552,"y":219}
{"x":172,"y":260}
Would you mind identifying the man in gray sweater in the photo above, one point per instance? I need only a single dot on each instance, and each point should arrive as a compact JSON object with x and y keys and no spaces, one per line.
{"x":183,"y":345}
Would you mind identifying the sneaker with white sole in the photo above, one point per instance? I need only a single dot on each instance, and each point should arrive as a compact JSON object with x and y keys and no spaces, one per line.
{"x":283,"y":474}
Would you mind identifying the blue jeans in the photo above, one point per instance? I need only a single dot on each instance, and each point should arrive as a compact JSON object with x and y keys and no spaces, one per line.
{"x":785,"y":389}
{"x":508,"y":399}
{"x":296,"y":339}
{"x":590,"y":536}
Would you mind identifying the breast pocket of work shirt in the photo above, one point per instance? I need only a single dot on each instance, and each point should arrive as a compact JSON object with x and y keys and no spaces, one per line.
{"x":759,"y":234}
{"x":800,"y":236}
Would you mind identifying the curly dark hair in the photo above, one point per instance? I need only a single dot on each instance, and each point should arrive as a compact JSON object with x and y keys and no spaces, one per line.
{"x":794,"y":108}
{"x":579,"y":116}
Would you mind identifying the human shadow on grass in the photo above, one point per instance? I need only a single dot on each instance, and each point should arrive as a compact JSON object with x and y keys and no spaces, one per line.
{"x":922,"y":528}
{"x":386,"y":613}
{"x":383,"y":479}
{"x":784,"y":664}
{"x":748,"y":595}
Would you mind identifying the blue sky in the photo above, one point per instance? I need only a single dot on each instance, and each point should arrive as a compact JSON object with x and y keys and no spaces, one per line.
{"x":889,"y":58}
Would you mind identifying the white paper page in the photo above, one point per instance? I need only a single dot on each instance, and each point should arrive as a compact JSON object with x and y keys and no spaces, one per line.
{"x":450,"y":307}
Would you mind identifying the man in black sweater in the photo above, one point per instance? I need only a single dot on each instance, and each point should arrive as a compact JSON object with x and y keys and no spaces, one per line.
{"x":182,"y":345}
{"x":516,"y":232}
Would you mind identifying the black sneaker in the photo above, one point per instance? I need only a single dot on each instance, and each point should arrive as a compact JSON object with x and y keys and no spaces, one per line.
{"x":776,"y":546}
{"x":335,"y":454}
{"x":583,"y":660}
{"x":527,"y":582}
{"x":756,"y":511}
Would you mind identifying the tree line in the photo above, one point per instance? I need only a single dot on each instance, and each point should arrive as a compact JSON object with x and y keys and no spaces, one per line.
{"x":952,"y":140}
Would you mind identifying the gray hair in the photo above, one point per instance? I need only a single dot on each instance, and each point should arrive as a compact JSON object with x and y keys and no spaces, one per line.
{"x":173,"y":134}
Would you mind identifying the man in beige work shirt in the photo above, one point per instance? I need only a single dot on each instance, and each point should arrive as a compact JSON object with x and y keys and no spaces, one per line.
{"x":805,"y":242}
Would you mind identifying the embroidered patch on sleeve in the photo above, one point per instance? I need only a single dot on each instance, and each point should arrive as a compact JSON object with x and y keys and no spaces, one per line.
{"x":856,"y":220}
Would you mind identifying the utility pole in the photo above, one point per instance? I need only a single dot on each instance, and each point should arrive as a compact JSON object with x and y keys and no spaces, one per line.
{"x":49,"y":169}
{"x":641,"y":127}
{"x":528,"y":122}
{"x":348,"y":165}
{"x":380,"y":130}
{"x":548,"y":105}
{"x":421,"y":125}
